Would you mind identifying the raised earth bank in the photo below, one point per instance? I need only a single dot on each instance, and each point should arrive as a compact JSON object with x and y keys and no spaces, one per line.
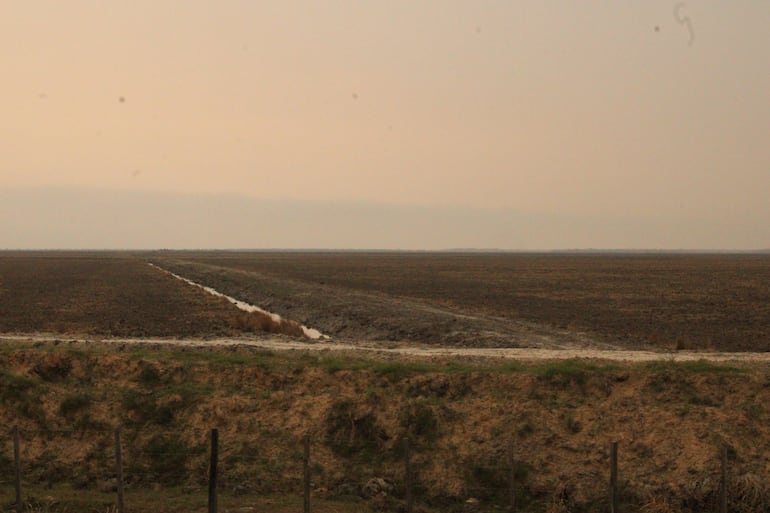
{"x":671,"y":420}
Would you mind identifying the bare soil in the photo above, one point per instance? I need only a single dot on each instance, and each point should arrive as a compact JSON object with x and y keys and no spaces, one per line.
{"x":697,"y":302}
{"x":657,"y":302}
{"x":104,"y":294}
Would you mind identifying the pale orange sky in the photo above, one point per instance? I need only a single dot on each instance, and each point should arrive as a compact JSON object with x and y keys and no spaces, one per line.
{"x":575,"y":109}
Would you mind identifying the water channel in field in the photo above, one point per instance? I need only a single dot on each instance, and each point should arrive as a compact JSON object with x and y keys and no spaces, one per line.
{"x":310,"y":333}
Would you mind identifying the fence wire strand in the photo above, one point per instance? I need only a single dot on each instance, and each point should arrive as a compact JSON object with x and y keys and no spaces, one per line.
{"x":162,"y":460}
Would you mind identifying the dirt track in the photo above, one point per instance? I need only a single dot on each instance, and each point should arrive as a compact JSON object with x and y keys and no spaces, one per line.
{"x":394,"y":350}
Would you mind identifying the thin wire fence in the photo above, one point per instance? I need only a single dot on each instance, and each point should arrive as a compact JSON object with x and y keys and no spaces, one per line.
{"x":121,"y":464}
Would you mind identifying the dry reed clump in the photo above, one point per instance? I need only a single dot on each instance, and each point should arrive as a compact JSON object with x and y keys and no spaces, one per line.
{"x":746,"y":493}
{"x":657,"y":505}
{"x":699,"y":493}
{"x":749,"y":493}
{"x":259,"y":321}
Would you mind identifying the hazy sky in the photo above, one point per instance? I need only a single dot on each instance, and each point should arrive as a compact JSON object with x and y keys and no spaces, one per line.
{"x":593,"y":124}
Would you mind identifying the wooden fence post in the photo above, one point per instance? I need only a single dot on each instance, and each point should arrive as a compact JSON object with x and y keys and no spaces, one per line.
{"x":213,"y":471}
{"x":306,"y":472}
{"x":119,"y":470}
{"x":17,"y":467}
{"x":511,"y":478}
{"x":408,"y":477}
{"x":723,"y":482}
{"x":614,"y":478}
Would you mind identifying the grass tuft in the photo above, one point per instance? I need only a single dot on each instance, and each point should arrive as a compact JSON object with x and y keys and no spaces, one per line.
{"x":566,"y":372}
{"x":74,"y":403}
{"x":697,"y":367}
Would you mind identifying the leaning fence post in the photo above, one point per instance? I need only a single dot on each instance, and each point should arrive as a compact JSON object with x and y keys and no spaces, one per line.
{"x":511,"y":478}
{"x":723,"y":482}
{"x":408,"y":476}
{"x":614,"y":477}
{"x":119,"y":470}
{"x":306,"y":474}
{"x":213,"y":471}
{"x":17,"y":466}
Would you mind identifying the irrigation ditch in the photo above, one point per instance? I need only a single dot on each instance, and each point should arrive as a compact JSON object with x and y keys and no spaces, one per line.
{"x":273,"y":318}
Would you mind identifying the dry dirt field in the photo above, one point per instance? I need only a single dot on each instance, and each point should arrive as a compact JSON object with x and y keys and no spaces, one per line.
{"x":700,"y":302}
{"x":716,"y":302}
{"x":109,"y":294}
{"x":77,"y":358}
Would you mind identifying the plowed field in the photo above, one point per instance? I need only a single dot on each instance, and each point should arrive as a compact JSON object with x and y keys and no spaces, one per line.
{"x":714,"y":302}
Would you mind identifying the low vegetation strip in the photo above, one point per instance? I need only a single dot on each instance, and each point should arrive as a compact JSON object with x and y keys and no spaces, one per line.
{"x":671,"y":419}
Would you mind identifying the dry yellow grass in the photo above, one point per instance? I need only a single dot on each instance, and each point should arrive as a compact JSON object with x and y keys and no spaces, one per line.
{"x":670,"y":420}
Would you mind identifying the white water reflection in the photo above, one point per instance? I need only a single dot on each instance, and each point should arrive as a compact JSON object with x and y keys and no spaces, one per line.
{"x":310,"y":333}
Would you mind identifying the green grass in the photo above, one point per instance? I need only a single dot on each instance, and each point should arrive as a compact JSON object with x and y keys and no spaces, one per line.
{"x":218,"y":359}
{"x":420,"y":422}
{"x":406,"y":368}
{"x":173,"y":499}
{"x":153,"y":406}
{"x":149,"y":376}
{"x":566,"y":372}
{"x":14,"y":385}
{"x":73,"y":403}
{"x":572,"y":370}
{"x":351,"y":434}
{"x":24,"y":394}
{"x":391,"y":369}
{"x":701,"y":400}
{"x":53,"y":371}
{"x":695,"y":367}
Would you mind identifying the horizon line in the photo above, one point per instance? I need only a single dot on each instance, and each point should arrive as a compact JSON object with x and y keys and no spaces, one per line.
{"x":400,"y":250}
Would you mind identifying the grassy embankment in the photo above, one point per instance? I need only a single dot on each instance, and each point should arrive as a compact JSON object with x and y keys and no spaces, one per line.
{"x":461,"y":416}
